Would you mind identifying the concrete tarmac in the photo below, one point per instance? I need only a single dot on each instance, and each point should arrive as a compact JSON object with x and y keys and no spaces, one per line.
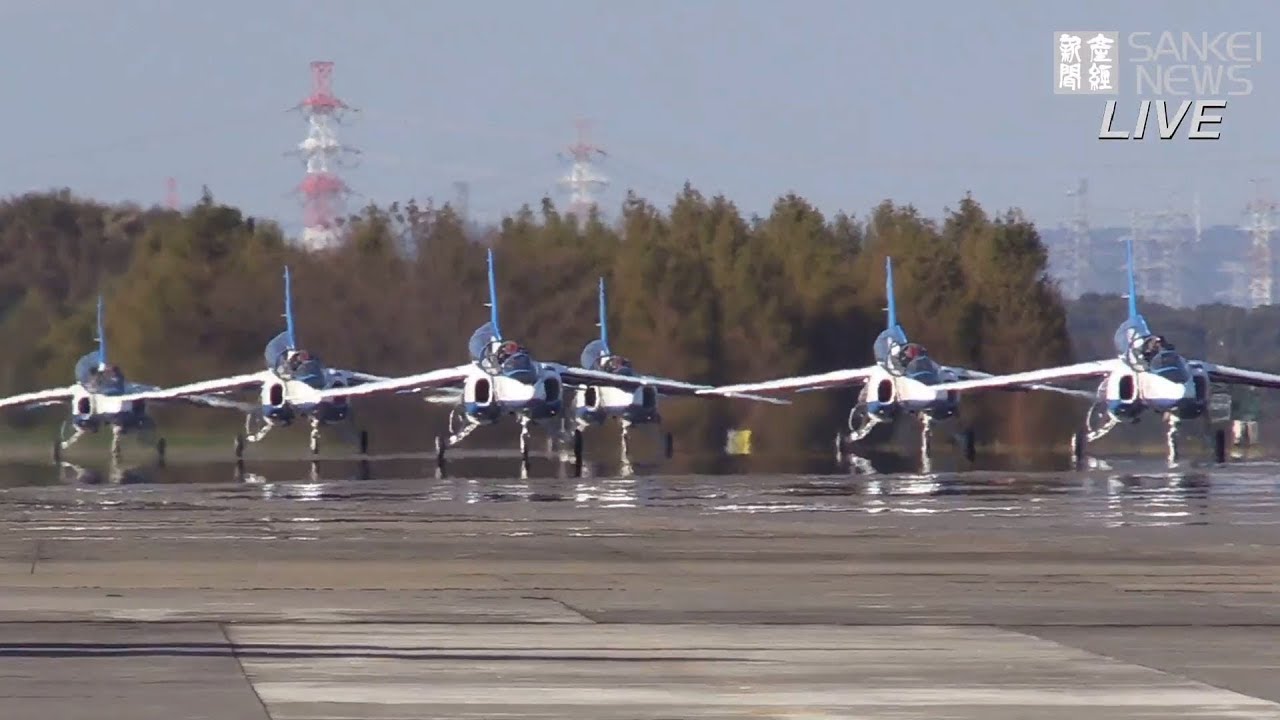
{"x":986,"y":597}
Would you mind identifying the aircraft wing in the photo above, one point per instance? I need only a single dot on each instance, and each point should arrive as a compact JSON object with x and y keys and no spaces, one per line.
{"x":358,"y":377}
{"x":1237,"y":376}
{"x":665,"y":386}
{"x":37,"y":399}
{"x":137,"y":391}
{"x":967,"y":374}
{"x":852,"y":377}
{"x":409,"y":383}
{"x":203,"y":388}
{"x":1031,"y":378}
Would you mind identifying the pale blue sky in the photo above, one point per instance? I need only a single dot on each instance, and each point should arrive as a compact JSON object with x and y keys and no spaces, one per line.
{"x":846,"y":102}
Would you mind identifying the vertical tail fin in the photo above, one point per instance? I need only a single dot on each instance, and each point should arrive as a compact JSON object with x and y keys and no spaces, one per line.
{"x":604,"y":320}
{"x":1133,"y":287}
{"x":288,"y":310}
{"x":102,"y":338}
{"x":888,"y":291}
{"x":493,"y":299}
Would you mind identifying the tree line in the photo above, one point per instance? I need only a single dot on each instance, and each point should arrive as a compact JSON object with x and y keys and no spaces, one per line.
{"x":698,"y":291}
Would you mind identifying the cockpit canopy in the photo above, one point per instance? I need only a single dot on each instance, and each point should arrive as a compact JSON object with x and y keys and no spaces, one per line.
{"x":595,"y":356}
{"x":105,"y":381}
{"x":505,"y":357}
{"x":1157,"y":355}
{"x":294,"y":364}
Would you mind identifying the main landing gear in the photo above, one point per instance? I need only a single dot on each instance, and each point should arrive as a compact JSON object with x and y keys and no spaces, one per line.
{"x":256,"y":428}
{"x":70,"y":433}
{"x":461,"y":425}
{"x":862,"y":422}
{"x":1099,"y":421}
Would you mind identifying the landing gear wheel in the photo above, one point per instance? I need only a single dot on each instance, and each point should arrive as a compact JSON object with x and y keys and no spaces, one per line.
{"x":968,"y":445}
{"x":1097,"y":418}
{"x":442,"y":443}
{"x":577,"y":453}
{"x":161,"y":446}
{"x":315,"y":442}
{"x":858,"y":417}
{"x":364,"y":442}
{"x":1077,"y":447}
{"x":839,"y":447}
{"x":239,"y":446}
{"x":1220,"y":445}
{"x":669,"y":445}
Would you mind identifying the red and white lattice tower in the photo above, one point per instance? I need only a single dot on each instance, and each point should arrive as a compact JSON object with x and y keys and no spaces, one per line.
{"x":323,"y":192}
{"x":171,"y":199}
{"x":582,"y":181}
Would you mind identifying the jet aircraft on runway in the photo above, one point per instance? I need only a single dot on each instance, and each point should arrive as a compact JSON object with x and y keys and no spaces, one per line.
{"x":101,"y":397}
{"x":632,"y":400}
{"x":903,"y":380}
{"x":1147,"y":373}
{"x":291,"y":387}
{"x":503,"y":378}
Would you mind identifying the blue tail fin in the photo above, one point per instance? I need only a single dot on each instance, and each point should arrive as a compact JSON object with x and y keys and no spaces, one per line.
{"x":102,"y":338}
{"x":604,"y":320}
{"x":493,"y":299}
{"x":888,"y":291}
{"x":1133,"y":287}
{"x":288,"y":310}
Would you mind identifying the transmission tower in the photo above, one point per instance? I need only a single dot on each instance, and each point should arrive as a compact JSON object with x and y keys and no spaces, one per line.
{"x":171,"y":199}
{"x":323,"y":192}
{"x":582,"y":181}
{"x":1077,"y":256}
{"x":1161,"y":244}
{"x":462,"y":198}
{"x":1260,"y":223}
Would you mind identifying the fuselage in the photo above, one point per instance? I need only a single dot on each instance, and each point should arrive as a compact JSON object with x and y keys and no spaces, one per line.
{"x":1153,"y":376}
{"x":1175,"y":388}
{"x":521,"y":386}
{"x":593,"y":404}
{"x":888,"y":393}
{"x":902,"y":380}
{"x":285,"y":399}
{"x":97,"y":402}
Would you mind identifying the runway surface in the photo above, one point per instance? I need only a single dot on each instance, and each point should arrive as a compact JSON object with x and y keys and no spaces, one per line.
{"x":1133,"y":592}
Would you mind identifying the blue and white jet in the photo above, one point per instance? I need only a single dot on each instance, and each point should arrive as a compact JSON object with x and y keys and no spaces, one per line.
{"x":632,"y":399}
{"x":292,"y":387}
{"x":100,"y":397}
{"x":904,"y":380}
{"x":503,"y":378}
{"x":1147,"y":373}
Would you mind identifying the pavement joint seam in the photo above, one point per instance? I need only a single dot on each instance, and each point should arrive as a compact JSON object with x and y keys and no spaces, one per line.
{"x":235,"y":653}
{"x":1135,"y":663}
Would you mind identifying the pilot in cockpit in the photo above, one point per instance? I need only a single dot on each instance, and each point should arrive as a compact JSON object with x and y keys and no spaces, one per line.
{"x":614,"y":363}
{"x":506,"y":350}
{"x":1154,"y":345}
{"x":910,"y":352}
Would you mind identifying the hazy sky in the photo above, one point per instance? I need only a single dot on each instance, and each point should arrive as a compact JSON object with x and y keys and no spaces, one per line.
{"x":846,"y":103}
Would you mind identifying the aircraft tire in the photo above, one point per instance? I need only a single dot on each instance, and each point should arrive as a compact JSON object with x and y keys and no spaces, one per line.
{"x":239,"y":445}
{"x":161,"y":447}
{"x":577,"y":453}
{"x":970,"y":451}
{"x":669,"y":445}
{"x":1220,"y":445}
{"x":57,"y":451}
{"x":364,"y":442}
{"x":1077,"y":447}
{"x":441,"y":446}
